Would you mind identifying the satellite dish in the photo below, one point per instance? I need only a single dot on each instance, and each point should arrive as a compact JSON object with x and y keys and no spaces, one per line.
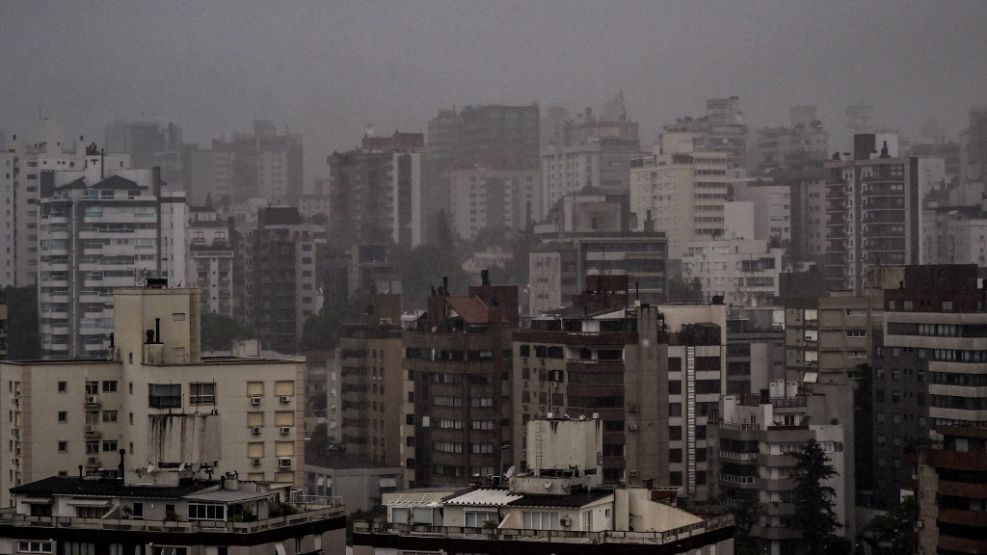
{"x":548,"y":484}
{"x":510,"y":472}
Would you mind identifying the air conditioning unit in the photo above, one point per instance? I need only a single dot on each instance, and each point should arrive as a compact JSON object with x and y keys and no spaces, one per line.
{"x":632,"y":427}
{"x":90,"y":429}
{"x":286,"y":463}
{"x":92,"y":399}
{"x":94,"y":461}
{"x":255,"y":430}
{"x":285,"y":430}
{"x":285,"y":399}
{"x":255,"y":462}
{"x":255,"y":401}
{"x":565,"y":522}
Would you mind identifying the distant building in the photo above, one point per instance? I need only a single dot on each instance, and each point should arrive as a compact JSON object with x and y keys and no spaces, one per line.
{"x":142,"y":141}
{"x":589,"y":151}
{"x":495,"y":137}
{"x":376,"y":191}
{"x":168,"y":511}
{"x":973,"y":148}
{"x":755,"y":349}
{"x":590,"y":235}
{"x":481,"y":199}
{"x":951,"y":491}
{"x":873,"y":211}
{"x":721,"y":130}
{"x":210,"y":260}
{"x":153,"y":394}
{"x":777,"y":149}
{"x":557,"y":502}
{"x":280,"y":285}
{"x":102,"y":226}
{"x":4,"y":323}
{"x":680,"y":192}
{"x":742,"y":272}
{"x":772,"y":210}
{"x":258,"y":164}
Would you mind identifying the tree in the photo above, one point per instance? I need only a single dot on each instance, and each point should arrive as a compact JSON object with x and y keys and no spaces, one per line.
{"x":814,"y":515}
{"x":680,"y":290}
{"x":745,"y":517}
{"x":422,"y":268}
{"x":219,"y":331}
{"x":322,"y":331}
{"x":893,"y":533}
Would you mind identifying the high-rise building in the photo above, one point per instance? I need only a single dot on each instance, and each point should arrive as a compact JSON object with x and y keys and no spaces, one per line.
{"x":376,"y":192}
{"x":744,"y":272}
{"x":927,"y":368}
{"x":779,"y":149}
{"x":721,"y":130}
{"x":210,"y":260}
{"x":262,"y":163}
{"x":151,"y":393}
{"x":772,"y":209}
{"x":495,"y":137}
{"x":481,"y":199}
{"x":591,"y":151}
{"x":755,"y":349}
{"x":973,"y":148}
{"x":3,"y":326}
{"x":278,"y":288}
{"x":680,"y":192}
{"x":951,"y":492}
{"x":103,"y":226}
{"x":22,"y":166}
{"x":751,"y":450}
{"x":458,"y":354}
{"x":142,"y":140}
{"x":873,"y":211}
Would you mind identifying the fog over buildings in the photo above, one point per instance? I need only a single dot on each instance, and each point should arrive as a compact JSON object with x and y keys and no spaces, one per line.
{"x":493,"y":277}
{"x":329,"y":69}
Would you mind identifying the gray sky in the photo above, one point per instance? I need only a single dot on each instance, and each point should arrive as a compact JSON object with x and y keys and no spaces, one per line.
{"x":328,"y":69}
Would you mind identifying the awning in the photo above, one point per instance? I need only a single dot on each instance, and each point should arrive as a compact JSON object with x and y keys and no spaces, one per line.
{"x":35,"y":500}
{"x":88,"y":502}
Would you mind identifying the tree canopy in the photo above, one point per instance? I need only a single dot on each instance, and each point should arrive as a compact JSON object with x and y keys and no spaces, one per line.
{"x":218,"y":332}
{"x":814,"y":515}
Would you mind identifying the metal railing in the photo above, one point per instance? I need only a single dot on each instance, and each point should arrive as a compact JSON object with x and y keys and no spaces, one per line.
{"x":10,"y":518}
{"x":519,"y":534}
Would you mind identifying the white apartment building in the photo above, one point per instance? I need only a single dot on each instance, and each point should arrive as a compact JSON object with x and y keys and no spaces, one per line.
{"x":772,"y":209}
{"x":26,"y":169}
{"x":154,"y":395}
{"x":210,"y":260}
{"x":483,"y":198}
{"x":680,"y":192}
{"x":743,"y":271}
{"x":103,"y":226}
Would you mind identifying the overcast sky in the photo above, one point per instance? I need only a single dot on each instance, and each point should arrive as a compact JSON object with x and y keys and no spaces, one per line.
{"x":328,"y":69}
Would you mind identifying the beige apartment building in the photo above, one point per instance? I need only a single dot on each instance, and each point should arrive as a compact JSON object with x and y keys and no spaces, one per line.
{"x":156,"y":398}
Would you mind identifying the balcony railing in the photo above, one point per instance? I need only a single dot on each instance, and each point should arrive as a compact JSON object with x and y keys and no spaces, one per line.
{"x":517,"y":534}
{"x":9,"y":517}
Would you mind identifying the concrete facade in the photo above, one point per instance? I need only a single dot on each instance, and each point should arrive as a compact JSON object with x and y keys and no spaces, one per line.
{"x":481,"y":199}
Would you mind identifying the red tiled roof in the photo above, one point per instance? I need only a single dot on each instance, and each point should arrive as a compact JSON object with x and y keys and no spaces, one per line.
{"x":471,"y":309}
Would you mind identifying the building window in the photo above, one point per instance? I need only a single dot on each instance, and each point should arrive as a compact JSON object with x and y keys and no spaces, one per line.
{"x":109,"y":386}
{"x":205,"y":511}
{"x":109,"y":445}
{"x":164,"y":396}
{"x":92,"y":388}
{"x":109,"y":416}
{"x":476,"y":519}
{"x":63,"y":387}
{"x":34,"y":547}
{"x":202,"y":394}
{"x":540,"y":520}
{"x":63,"y":446}
{"x":63,"y":416}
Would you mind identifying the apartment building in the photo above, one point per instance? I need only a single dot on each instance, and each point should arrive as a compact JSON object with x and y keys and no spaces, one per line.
{"x":873,"y":210}
{"x":458,"y":355}
{"x":168,"y":511}
{"x":601,"y":359}
{"x":680,"y":191}
{"x":102,"y":226}
{"x":262,"y":163}
{"x":372,"y":384}
{"x":752,"y":447}
{"x":973,"y":147}
{"x":278,"y":288}
{"x":778,"y":148}
{"x":772,"y":209}
{"x":742,"y":271}
{"x":376,"y":191}
{"x":558,"y":501}
{"x":927,"y":368}
{"x":951,"y":495}
{"x":481,"y":199}
{"x":22,"y":166}
{"x":755,"y":348}
{"x":4,"y":323}
{"x":720,"y":130}
{"x":210,"y":260}
{"x":153,"y":394}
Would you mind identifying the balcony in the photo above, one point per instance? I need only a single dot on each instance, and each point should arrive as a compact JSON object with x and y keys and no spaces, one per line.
{"x":739,"y":480}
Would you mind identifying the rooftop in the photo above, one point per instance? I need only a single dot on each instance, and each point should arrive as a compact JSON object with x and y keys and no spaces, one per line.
{"x":105,"y":487}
